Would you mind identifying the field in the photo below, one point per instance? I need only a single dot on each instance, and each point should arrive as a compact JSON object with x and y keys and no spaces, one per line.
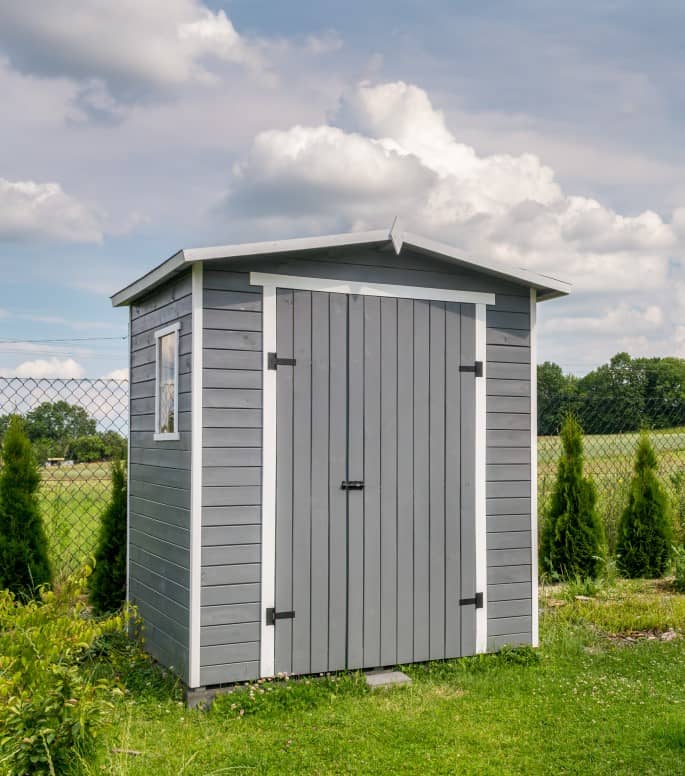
{"x":605,"y":694}
{"x":73,"y":498}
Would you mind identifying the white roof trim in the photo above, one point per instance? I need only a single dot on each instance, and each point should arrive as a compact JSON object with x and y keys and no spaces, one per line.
{"x":548,"y":287}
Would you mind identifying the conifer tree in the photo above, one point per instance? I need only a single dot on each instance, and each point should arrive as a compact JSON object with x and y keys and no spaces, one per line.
{"x":107,"y":584}
{"x":644,"y":531}
{"x":24,"y":564}
{"x":573,"y":537}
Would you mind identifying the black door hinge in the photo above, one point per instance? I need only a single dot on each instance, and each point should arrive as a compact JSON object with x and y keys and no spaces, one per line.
{"x":476,"y":368}
{"x":477,"y":600}
{"x":274,"y":361}
{"x":272,"y":615}
{"x":352,"y":485}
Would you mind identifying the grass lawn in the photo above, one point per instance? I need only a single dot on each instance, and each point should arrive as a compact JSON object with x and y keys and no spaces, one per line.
{"x":605,"y":694}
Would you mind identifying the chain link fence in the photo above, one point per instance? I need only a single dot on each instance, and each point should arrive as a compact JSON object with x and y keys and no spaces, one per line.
{"x":77,"y":427}
{"x":612,"y":425}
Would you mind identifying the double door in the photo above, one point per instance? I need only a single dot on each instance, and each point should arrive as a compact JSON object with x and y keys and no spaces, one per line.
{"x":375,"y":470}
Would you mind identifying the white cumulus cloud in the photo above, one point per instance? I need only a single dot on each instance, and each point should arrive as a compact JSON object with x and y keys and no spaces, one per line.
{"x":134,"y":48}
{"x":47,"y":367}
{"x":44,"y":210}
{"x":117,"y":374}
{"x":395,"y":154}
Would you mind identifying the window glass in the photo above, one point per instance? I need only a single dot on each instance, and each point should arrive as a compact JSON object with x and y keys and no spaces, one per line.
{"x":167,"y":383}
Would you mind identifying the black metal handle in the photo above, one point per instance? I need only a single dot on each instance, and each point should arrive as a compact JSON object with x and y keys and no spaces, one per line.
{"x":352,"y":485}
{"x":477,"y":600}
{"x":272,"y":615}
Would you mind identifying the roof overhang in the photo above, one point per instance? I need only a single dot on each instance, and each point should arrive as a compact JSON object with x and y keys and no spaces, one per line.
{"x":393,"y":239}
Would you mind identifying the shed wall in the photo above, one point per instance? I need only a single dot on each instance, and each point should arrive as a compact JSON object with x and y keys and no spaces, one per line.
{"x":159,"y":484}
{"x":232,"y":445}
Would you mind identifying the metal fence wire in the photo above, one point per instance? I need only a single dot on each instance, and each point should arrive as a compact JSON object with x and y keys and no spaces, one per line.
{"x":78,"y":427}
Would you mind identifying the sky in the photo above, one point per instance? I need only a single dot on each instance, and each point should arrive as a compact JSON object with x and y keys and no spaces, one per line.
{"x":537,"y":134}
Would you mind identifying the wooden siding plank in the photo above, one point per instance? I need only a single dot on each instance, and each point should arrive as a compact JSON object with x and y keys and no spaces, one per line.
{"x":230,"y":534}
{"x":497,"y":523}
{"x":230,"y":398}
{"x":508,"y":438}
{"x":452,"y":480}
{"x":499,"y":319}
{"x":234,"y":320}
{"x":510,"y":404}
{"x":388,"y":474}
{"x":217,"y":341}
{"x":513,"y":388}
{"x":508,"y":337}
{"x":175,"y":289}
{"x":232,"y":475}
{"x":499,"y":610}
{"x":507,"y":625}
{"x":236,"y":633}
{"x":235,"y":653}
{"x":174,"y":497}
{"x":232,"y":359}
{"x":436,"y":464}
{"x":507,"y":354}
{"x":509,"y":591}
{"x":468,"y":476}
{"x":498,"y":575}
{"x":337,"y":461}
{"x":232,"y":418}
{"x":217,"y":595}
{"x":302,"y":481}
{"x":226,"y":279}
{"x":283,"y":632}
{"x":508,"y":506}
{"x":497,"y":371}
{"x":230,"y":574}
{"x":371,"y":495}
{"x":508,"y":421}
{"x":225,"y":437}
{"x":508,"y":489}
{"x":230,"y":613}
{"x":509,"y":640}
{"x":230,"y":458}
{"x":230,"y":673}
{"x":162,"y":584}
{"x":231,"y":515}
{"x":320,"y":481}
{"x":503,"y":540}
{"x":214,"y":299}
{"x":502,"y":472}
{"x":405,"y":481}
{"x":228,"y":554}
{"x":421,"y":481}
{"x":231,"y":378}
{"x":356,"y":464}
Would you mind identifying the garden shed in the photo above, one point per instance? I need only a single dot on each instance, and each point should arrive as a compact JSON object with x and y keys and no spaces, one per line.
{"x":332,"y":455}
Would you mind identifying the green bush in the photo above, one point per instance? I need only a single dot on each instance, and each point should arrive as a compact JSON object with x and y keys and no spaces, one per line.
{"x":644,"y":533}
{"x":573,"y":542}
{"x":107,"y":586}
{"x":24,"y":564}
{"x":679,"y":569}
{"x":50,"y":708}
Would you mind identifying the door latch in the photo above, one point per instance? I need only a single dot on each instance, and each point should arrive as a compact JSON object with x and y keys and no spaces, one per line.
{"x":272,"y":615}
{"x":273,"y":361}
{"x":477,"y":600}
{"x":352,"y":485}
{"x":476,"y":368}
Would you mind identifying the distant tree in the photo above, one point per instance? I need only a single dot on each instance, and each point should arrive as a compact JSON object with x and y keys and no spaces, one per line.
{"x":87,"y":449}
{"x":572,"y":542}
{"x":59,"y":421}
{"x":114,"y":445}
{"x":108,"y":580}
{"x":556,"y":395}
{"x":24,"y":564}
{"x":663,"y":381}
{"x":612,"y":397}
{"x":644,"y":531}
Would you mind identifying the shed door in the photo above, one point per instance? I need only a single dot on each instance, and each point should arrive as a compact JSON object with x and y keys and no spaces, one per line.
{"x":373,"y":575}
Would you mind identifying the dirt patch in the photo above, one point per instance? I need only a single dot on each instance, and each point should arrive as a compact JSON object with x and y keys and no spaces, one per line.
{"x":631,"y":637}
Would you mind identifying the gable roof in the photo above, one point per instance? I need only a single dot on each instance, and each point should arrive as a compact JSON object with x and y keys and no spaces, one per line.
{"x":548,"y":287}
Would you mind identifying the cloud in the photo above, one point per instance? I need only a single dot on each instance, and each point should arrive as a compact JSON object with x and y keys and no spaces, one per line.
{"x":391,"y":152}
{"x":46,"y":368}
{"x":130,"y":49}
{"x":30,"y":210}
{"x":117,"y":374}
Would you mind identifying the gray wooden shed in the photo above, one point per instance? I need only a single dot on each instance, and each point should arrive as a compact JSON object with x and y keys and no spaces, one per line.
{"x":332,"y":455}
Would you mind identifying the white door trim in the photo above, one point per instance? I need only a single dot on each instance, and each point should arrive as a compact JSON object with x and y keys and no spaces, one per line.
{"x":196,"y":479}
{"x":534,"y":468}
{"x":269,"y":285}
{"x":370,"y":289}
{"x":480,"y":495}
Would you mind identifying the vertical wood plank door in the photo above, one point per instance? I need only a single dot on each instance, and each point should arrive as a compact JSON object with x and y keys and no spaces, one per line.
{"x":374,"y":575}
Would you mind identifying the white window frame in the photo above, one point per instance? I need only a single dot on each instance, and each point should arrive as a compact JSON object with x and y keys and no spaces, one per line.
{"x":269,"y":283}
{"x":159,"y":436}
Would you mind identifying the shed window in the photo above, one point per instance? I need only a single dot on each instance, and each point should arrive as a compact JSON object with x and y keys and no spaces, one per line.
{"x":166,"y":396}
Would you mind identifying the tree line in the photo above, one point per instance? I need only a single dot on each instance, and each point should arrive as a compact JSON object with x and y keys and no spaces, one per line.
{"x":627,"y":394}
{"x":62,"y":430}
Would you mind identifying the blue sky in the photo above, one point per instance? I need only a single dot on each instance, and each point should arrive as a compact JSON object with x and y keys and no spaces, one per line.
{"x":540,"y":134}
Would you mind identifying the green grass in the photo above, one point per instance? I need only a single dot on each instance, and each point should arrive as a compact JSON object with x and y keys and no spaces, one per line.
{"x":585,"y":703}
{"x":72,"y":500}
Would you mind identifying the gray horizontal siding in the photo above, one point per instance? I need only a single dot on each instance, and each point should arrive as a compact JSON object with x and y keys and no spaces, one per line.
{"x":231,"y":494}
{"x":508,"y":471}
{"x":160,"y":481}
